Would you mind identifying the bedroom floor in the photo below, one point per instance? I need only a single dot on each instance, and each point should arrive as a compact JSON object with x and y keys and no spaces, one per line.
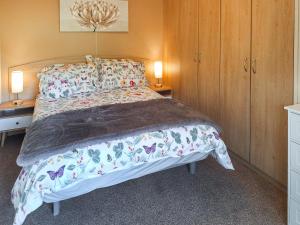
{"x":213,"y":196}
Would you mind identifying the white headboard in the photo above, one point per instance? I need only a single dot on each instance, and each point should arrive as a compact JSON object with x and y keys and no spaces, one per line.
{"x":31,"y":69}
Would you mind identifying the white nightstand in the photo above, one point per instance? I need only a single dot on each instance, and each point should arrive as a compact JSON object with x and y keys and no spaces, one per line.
{"x":15,"y":117}
{"x":294,"y":165}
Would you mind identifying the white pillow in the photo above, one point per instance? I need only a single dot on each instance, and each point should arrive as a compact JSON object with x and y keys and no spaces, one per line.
{"x":118,"y":73}
{"x":63,"y":81}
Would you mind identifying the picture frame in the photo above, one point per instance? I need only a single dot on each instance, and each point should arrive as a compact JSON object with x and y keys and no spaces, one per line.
{"x":94,"y":15}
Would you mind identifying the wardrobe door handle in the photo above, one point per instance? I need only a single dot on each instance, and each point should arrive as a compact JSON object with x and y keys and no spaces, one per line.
{"x":254,"y":66}
{"x":199,"y":57}
{"x":246,"y":64}
{"x":196,"y":57}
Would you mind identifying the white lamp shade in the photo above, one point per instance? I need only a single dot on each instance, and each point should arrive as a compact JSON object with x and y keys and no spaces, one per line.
{"x":16,"y":82}
{"x":158,"y":69}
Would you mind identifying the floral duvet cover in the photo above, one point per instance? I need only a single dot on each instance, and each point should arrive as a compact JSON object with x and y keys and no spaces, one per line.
{"x":61,"y":171}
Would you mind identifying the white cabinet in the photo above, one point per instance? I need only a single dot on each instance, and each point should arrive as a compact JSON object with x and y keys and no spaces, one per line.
{"x":14,"y":117}
{"x":294,"y":165}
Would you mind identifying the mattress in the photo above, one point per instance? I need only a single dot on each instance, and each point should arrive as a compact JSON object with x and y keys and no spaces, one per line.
{"x":104,"y":164}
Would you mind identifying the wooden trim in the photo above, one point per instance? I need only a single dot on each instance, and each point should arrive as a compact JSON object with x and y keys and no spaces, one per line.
{"x":258,"y":171}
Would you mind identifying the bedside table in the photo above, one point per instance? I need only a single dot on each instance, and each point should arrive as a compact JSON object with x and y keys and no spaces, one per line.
{"x":165,"y":91}
{"x":15,"y":117}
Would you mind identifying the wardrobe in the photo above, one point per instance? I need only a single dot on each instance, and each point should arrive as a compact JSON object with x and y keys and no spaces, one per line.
{"x":191,"y":44}
{"x":233,"y":60}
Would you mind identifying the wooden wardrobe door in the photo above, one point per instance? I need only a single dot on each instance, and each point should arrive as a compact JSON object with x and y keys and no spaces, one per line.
{"x":209,"y":65}
{"x":188,"y":52}
{"x":271,"y":84}
{"x":171,"y":45}
{"x":235,"y":75}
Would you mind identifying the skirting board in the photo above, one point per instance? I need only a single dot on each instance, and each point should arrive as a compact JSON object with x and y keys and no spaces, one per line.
{"x":259,"y":172}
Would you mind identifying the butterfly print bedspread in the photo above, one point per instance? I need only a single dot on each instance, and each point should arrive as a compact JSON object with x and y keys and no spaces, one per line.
{"x":62,"y":132}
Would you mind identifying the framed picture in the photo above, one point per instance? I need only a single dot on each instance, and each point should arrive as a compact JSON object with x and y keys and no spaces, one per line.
{"x":93,"y":15}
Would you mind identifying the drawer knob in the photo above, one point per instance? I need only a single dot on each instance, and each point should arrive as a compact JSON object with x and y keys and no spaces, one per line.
{"x":17,"y":123}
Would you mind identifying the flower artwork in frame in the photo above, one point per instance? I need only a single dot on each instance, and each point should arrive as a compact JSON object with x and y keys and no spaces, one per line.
{"x":93,"y":15}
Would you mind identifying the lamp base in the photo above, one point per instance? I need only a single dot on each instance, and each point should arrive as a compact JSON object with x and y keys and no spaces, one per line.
{"x":18,"y":102}
{"x":158,"y":85}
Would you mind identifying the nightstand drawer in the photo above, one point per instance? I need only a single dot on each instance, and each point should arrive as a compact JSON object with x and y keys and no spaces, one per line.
{"x":295,"y":126}
{"x":294,"y":213}
{"x":295,"y":186}
{"x":12,"y":123}
{"x":295,"y":156}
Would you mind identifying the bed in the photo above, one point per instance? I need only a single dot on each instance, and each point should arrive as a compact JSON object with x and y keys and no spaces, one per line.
{"x":81,"y":170}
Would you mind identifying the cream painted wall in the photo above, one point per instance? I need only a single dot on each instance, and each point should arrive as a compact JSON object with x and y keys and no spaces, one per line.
{"x":30,"y":32}
{"x":0,"y":69}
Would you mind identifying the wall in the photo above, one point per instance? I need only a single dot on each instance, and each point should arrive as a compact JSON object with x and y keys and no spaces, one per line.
{"x":30,"y":32}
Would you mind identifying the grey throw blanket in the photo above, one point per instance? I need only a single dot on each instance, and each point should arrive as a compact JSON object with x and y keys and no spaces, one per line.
{"x":81,"y":128}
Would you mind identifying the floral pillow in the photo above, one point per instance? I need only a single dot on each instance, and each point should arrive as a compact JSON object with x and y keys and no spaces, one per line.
{"x":118,"y":73}
{"x":63,"y":81}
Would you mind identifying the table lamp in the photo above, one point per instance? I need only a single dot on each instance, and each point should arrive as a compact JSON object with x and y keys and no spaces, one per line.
{"x":158,"y":72}
{"x":17,"y":86}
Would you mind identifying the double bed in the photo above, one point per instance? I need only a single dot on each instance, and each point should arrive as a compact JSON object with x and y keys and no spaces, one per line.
{"x":80,"y":170}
